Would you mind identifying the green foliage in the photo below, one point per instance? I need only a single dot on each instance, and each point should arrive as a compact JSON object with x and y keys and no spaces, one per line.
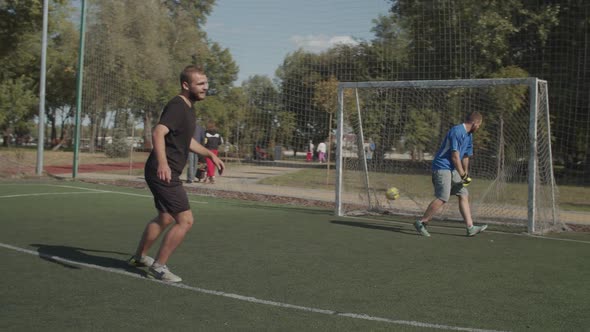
{"x":17,"y":103}
{"x":119,"y":148}
{"x":139,"y":48}
{"x":221,"y":69}
{"x":266,"y":122}
{"x":423,"y":39}
{"x":418,"y":132}
{"x":326,"y":95}
{"x":18,"y":18}
{"x":196,"y":10}
{"x":20,"y":56}
{"x":300,"y":74}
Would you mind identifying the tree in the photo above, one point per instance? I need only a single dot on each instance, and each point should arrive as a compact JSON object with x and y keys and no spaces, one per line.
{"x":468,"y":39}
{"x":326,"y":99}
{"x":119,"y":148}
{"x":267,"y":122}
{"x":20,"y":37}
{"x":127,"y":64}
{"x":136,"y":47}
{"x":221,"y":70}
{"x":16,"y":104}
{"x":196,"y":10}
{"x":61,"y":73}
{"x":298,"y":75}
{"x":418,"y":132}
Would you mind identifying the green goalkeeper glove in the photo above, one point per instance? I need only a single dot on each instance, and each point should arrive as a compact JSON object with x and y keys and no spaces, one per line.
{"x":466,"y":179}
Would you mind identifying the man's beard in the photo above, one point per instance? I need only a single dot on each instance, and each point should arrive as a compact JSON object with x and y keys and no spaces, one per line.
{"x":193,"y":96}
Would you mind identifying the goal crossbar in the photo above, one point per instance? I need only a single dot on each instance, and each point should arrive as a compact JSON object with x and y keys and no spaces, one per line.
{"x":466,"y":83}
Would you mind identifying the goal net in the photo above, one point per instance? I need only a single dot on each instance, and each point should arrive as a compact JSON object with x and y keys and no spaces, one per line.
{"x":388,"y":133}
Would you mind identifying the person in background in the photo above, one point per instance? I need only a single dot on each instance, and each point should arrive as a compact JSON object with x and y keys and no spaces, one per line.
{"x":212,"y":142}
{"x":322,"y":152}
{"x":193,"y":158}
{"x":309,"y":155}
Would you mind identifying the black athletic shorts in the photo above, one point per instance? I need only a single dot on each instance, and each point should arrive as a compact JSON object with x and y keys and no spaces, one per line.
{"x":168,"y":197}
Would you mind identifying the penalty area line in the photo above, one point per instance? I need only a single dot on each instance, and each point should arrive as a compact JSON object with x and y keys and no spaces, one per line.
{"x":249,"y":299}
{"x":49,"y":194}
{"x":118,"y":192}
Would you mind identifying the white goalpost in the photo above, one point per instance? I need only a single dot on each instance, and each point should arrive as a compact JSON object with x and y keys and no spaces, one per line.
{"x":388,"y":132}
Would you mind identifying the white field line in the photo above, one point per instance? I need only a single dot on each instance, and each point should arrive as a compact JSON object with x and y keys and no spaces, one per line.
{"x":47,"y":194}
{"x":443,"y":227}
{"x":88,"y":191}
{"x":250,"y":298}
{"x":118,"y":192}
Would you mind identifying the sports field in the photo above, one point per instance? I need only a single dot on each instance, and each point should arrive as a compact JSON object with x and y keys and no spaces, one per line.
{"x":261,"y":267}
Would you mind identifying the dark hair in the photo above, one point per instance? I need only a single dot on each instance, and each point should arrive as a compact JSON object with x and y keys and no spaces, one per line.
{"x":185,"y":75}
{"x":474,"y":117}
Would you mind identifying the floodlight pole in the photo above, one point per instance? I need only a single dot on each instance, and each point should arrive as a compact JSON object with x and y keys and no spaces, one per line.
{"x":79,"y":88}
{"x":42,"y":79}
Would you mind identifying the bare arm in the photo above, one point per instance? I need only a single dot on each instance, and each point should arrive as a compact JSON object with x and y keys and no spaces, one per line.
{"x":164,"y":172}
{"x":465,"y":164}
{"x":460,"y":165}
{"x":203,"y":151}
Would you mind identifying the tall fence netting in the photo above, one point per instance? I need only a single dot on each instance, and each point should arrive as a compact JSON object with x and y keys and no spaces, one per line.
{"x":278,"y":121}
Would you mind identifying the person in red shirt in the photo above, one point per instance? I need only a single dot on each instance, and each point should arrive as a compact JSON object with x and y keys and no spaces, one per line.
{"x":212,"y":142}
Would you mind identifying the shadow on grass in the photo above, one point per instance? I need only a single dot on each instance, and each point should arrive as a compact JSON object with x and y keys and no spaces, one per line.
{"x":282,"y":207}
{"x":395,"y":228}
{"x":55,"y":254}
{"x":372,"y":225}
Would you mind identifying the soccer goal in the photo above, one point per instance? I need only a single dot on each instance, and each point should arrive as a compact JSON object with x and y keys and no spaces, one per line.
{"x":389,"y":131}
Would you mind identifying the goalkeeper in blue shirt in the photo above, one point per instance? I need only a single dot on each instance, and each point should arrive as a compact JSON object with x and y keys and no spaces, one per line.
{"x":450,"y":174}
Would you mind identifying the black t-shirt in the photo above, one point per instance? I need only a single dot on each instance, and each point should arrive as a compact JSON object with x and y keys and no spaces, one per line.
{"x":179,"y":118}
{"x":212,"y":140}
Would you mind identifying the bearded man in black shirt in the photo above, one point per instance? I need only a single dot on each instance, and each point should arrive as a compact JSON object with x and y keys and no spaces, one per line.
{"x":172,"y":140}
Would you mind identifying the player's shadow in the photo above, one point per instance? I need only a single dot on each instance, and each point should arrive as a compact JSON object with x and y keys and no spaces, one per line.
{"x":374,"y":225}
{"x":307,"y":210}
{"x":67,"y":257}
{"x":409,"y":230}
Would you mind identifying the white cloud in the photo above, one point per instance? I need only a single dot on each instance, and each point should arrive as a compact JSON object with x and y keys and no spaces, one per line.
{"x":318,"y":43}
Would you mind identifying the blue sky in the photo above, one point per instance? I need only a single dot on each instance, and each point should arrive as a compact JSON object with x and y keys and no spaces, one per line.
{"x":260,"y":33}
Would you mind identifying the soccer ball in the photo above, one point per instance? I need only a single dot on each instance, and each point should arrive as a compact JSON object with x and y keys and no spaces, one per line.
{"x":392,"y":193}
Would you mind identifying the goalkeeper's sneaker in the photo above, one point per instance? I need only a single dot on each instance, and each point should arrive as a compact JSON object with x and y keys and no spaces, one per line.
{"x":163,"y":273}
{"x":143,"y":261}
{"x":471,"y":231}
{"x":421,"y":228}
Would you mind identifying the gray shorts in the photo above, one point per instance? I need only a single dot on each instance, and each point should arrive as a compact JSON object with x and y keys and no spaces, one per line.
{"x":447,"y":183}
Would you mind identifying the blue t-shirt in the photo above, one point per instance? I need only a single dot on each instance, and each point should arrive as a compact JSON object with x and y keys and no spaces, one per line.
{"x":457,"y":139}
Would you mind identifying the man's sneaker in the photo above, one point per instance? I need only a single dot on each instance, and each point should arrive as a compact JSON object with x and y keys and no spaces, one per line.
{"x":421,"y":228}
{"x":471,"y":231}
{"x":162,"y":273}
{"x":143,"y":261}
